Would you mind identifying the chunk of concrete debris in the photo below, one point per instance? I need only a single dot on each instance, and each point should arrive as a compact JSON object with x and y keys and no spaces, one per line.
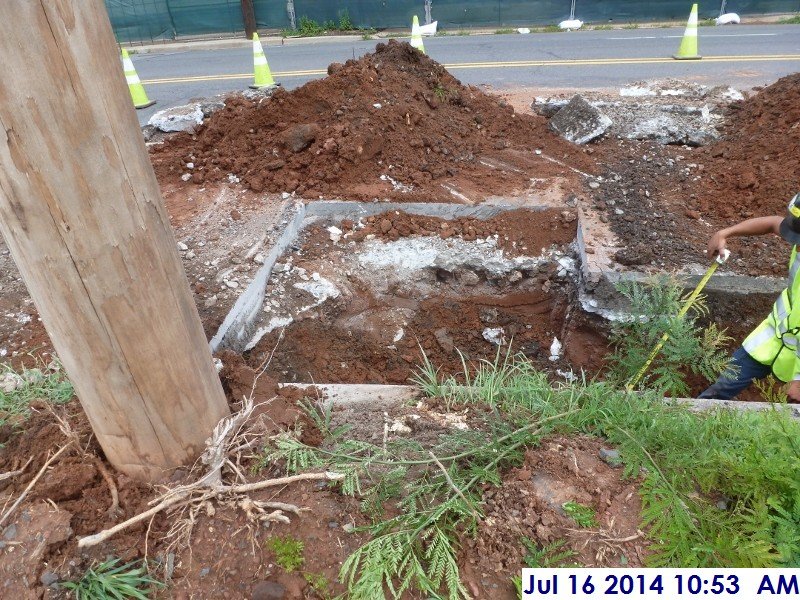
{"x":555,"y":350}
{"x":335,"y":233}
{"x":579,"y":122}
{"x":178,"y":118}
{"x":494,"y":335}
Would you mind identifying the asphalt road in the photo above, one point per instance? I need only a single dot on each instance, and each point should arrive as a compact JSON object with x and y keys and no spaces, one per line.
{"x":742,"y":56}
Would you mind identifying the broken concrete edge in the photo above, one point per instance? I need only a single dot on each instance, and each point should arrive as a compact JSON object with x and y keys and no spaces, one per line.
{"x":234,"y":327}
{"x":238,"y":323}
{"x":598,"y":286}
{"x":344,"y":394}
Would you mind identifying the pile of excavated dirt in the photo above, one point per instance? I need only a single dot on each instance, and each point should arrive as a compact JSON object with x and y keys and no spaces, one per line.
{"x":755,"y":169}
{"x":393,"y":124}
{"x":665,"y":203}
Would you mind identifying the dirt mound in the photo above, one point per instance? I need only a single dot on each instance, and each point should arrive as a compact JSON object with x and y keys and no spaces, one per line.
{"x":755,"y":169}
{"x":529,"y":505}
{"x":392,"y":124}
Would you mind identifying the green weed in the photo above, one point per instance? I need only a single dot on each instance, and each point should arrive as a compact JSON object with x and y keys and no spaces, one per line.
{"x":605,"y":27}
{"x":441,"y":93}
{"x":462,"y":32}
{"x":584,"y":516}
{"x":794,"y":20}
{"x":655,"y":311}
{"x":345,"y":24}
{"x":321,"y":414}
{"x":684,"y":460}
{"x":319,"y":583}
{"x":505,"y":31}
{"x":111,"y":580}
{"x":545,"y":557}
{"x":631,"y":26}
{"x":549,"y":29}
{"x":288,"y":552}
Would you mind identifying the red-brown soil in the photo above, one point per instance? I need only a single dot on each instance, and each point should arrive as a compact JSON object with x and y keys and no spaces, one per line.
{"x":228,"y":557}
{"x":528,"y":505}
{"x":755,"y":169}
{"x":394,"y":112}
{"x":517,"y":230}
{"x":325,"y":345}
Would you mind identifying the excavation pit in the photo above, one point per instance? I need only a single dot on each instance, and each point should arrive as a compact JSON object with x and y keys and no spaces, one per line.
{"x":362,"y":299}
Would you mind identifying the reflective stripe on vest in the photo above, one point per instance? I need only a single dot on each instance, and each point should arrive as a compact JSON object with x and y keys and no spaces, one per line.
{"x":775,"y":341}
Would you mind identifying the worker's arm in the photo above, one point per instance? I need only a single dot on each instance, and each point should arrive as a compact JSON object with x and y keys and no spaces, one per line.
{"x":756,"y":226}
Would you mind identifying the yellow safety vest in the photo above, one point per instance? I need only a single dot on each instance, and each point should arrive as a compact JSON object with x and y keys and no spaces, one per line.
{"x":775,"y":341}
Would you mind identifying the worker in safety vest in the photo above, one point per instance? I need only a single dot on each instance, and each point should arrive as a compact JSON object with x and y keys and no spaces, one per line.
{"x":773,"y":346}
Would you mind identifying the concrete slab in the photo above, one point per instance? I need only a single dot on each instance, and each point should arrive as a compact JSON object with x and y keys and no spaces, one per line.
{"x":579,"y":122}
{"x":237,"y":323}
{"x":342,"y":394}
{"x":341,"y":209}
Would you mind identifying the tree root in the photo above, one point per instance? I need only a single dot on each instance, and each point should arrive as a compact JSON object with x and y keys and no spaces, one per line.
{"x":181,"y":494}
{"x":113,"y":510}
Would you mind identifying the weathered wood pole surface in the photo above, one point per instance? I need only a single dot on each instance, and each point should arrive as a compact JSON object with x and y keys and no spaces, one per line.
{"x":83,"y":216}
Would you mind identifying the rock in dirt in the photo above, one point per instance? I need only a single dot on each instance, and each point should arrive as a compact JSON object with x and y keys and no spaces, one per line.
{"x":268,"y":590}
{"x":610,"y":456}
{"x":300,"y":137}
{"x":179,"y":118}
{"x":579,"y":122}
{"x":49,"y":578}
{"x":148,"y":131}
{"x":209,"y":107}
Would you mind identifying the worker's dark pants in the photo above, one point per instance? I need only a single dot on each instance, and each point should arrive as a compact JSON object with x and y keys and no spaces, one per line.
{"x":741,"y":372}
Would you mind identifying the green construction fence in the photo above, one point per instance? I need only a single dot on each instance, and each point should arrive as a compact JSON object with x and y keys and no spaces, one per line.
{"x":153,"y":20}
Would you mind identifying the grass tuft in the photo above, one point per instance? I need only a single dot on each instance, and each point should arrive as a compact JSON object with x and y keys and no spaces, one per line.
{"x":112,"y":580}
{"x":19,"y":389}
{"x":288,"y":552}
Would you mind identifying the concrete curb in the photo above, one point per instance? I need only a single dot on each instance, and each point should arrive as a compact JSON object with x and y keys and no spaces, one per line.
{"x":234,"y":328}
{"x":342,"y":394}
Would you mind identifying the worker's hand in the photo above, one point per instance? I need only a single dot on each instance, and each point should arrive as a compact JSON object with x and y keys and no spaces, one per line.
{"x":793,"y":391}
{"x":717,"y":244}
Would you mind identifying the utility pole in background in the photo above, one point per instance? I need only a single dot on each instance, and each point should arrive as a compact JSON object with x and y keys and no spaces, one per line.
{"x":82,"y":214}
{"x":249,"y":16}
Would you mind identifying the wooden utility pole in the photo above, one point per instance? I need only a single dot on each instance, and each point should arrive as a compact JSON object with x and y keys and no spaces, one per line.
{"x":249,"y":16}
{"x":82,"y":213}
